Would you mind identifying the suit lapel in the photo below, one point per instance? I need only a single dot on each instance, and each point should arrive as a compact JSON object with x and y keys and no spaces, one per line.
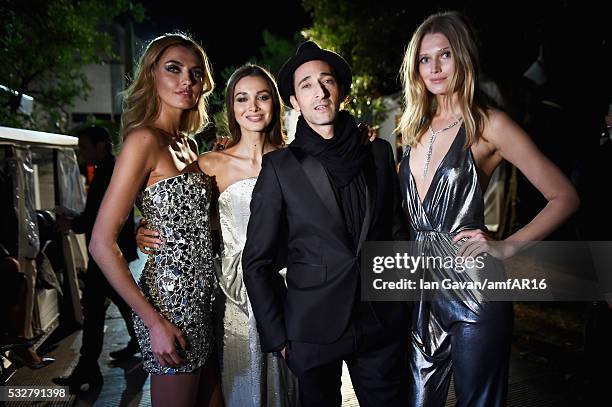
{"x":321,"y":184}
{"x":371,"y":190}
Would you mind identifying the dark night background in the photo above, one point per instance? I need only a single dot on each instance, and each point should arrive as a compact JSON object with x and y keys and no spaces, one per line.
{"x":576,"y":36}
{"x":230,"y":32}
{"x":571,"y":342}
{"x":510,"y":32}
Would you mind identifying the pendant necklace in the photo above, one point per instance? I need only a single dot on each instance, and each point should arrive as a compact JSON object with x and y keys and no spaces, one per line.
{"x":431,"y":141}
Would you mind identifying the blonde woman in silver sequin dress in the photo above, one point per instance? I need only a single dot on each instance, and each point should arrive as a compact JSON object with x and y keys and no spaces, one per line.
{"x":173,"y":300}
{"x":254,"y":112}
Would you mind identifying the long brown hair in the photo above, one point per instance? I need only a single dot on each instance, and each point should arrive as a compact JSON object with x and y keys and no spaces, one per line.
{"x":274,"y":132}
{"x":419,"y":104}
{"x":141,"y":101}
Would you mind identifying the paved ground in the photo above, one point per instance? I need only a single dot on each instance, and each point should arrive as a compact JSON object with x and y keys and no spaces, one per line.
{"x":534,"y":380}
{"x":126,"y":384}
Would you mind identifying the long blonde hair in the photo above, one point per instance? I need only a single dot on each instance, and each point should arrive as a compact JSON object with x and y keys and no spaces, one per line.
{"x":141,"y":103}
{"x":420,"y":104}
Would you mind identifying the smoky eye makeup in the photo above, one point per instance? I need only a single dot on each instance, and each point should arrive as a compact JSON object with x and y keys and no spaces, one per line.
{"x":197,"y":73}
{"x":172,"y":67}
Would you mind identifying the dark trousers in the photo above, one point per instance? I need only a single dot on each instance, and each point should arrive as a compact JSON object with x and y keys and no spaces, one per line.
{"x":97,"y":290}
{"x":470,"y":342}
{"x":376,"y":358}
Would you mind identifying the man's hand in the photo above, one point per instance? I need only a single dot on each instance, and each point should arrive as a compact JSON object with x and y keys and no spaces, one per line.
{"x":368,"y":134}
{"x":608,"y":299}
{"x":220,"y":143}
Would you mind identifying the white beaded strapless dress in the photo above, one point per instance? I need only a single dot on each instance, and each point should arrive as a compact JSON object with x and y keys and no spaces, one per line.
{"x":249,"y":377}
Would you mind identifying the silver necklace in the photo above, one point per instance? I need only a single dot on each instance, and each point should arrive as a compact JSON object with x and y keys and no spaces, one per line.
{"x":431,"y":141}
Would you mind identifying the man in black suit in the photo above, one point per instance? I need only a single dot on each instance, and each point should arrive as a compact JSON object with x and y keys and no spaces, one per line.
{"x":316,"y":202}
{"x":95,"y":147}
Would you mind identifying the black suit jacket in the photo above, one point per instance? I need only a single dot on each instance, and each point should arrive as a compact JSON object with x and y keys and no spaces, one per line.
{"x":294,"y":211}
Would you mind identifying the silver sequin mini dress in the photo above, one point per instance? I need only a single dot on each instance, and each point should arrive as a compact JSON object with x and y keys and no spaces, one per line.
{"x":179,"y":279}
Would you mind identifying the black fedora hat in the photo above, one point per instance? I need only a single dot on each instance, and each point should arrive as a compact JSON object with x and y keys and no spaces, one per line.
{"x":310,"y":51}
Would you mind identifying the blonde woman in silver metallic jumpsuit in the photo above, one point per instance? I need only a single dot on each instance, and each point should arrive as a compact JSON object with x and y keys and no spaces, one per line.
{"x":454,"y":143}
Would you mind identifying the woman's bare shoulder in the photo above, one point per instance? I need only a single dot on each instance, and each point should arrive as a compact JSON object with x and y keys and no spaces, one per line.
{"x":507,"y":138}
{"x":142,"y":136}
{"x":141,"y":145}
{"x":212,"y":161}
{"x":499,"y":127}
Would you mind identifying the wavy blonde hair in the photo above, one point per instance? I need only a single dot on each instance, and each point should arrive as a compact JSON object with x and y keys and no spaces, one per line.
{"x":419,"y":104}
{"x":141,"y":103}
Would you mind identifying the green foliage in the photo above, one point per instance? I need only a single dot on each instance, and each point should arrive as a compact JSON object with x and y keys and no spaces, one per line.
{"x":44,"y":45}
{"x":364,"y":103}
{"x":367,"y":34}
{"x":216,"y":102}
{"x":277,"y":50}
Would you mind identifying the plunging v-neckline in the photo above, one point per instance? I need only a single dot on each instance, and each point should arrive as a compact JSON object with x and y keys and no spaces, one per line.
{"x":435,"y":174}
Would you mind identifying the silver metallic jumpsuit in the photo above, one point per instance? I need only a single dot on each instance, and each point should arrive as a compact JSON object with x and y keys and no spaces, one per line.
{"x":461,"y":336}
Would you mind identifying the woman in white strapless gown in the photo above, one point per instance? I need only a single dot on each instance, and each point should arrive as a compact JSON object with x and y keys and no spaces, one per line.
{"x":254,"y":111}
{"x":248,"y":376}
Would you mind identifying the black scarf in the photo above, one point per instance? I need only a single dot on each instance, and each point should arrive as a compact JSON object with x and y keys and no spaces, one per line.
{"x":343,"y":156}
